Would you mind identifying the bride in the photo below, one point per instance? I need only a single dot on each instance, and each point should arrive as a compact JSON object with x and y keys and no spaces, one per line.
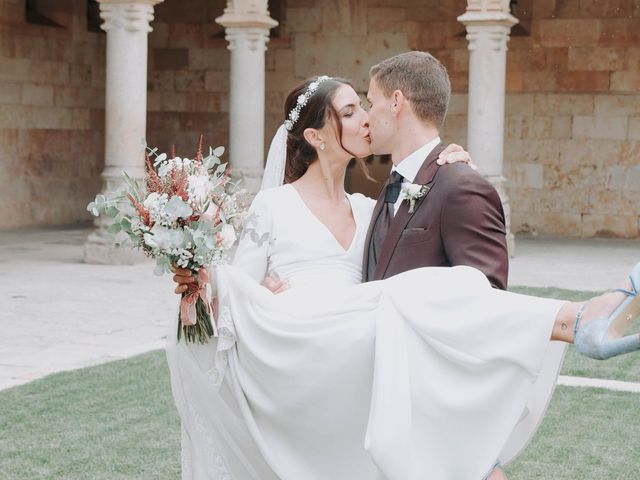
{"x":429,"y":374}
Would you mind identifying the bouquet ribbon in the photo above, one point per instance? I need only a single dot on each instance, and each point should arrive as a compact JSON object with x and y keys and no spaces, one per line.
{"x":188,"y":302}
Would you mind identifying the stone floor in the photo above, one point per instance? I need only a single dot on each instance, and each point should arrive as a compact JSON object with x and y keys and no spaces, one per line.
{"x":59,"y":313}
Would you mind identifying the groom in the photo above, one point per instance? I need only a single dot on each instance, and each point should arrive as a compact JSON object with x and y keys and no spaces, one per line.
{"x":456,"y":217}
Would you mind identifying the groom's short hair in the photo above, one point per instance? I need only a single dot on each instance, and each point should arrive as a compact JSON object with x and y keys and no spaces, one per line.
{"x":421,"y":78}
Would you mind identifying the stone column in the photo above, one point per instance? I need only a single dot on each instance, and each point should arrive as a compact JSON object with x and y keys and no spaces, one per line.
{"x":127,"y":27}
{"x":488,"y":25}
{"x":247,"y":24}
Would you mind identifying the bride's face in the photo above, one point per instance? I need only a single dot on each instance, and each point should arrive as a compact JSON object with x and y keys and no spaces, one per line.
{"x":355,"y":126}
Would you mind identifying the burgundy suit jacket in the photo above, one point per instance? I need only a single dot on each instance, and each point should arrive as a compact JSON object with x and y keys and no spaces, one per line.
{"x":459,"y":221}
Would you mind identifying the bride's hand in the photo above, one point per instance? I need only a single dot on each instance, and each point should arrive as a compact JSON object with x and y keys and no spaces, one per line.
{"x":455,"y":153}
{"x":183,"y":277}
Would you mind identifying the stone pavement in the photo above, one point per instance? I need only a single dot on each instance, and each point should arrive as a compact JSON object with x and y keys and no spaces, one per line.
{"x":59,"y":313}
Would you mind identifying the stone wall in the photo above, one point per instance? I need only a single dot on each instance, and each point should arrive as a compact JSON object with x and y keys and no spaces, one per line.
{"x":51,"y":114}
{"x":573,"y":108}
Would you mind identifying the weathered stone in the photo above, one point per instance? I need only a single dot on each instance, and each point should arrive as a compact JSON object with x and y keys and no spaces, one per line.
{"x":190,"y":81}
{"x":540,"y":82}
{"x":529,"y":175}
{"x":549,"y":223}
{"x":598,"y":58}
{"x":170,"y":58}
{"x":634,"y":128}
{"x":617,"y":105}
{"x":625,"y":81}
{"x":569,"y":32}
{"x":209,"y":59}
{"x":10,"y":94}
{"x":216,"y":81}
{"x":614,"y":128}
{"x":610,"y":226}
{"x":583,"y":81}
{"x":562,"y":104}
{"x":608,"y":8}
{"x":561,"y":127}
{"x":304,"y":19}
{"x":620,"y":32}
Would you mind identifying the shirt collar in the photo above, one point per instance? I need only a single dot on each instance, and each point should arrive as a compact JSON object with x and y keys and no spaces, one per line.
{"x":410,"y":165}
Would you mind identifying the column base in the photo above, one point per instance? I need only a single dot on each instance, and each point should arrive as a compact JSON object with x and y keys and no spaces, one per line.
{"x":100,"y":250}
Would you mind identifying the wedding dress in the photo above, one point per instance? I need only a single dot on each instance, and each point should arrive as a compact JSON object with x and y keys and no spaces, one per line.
{"x":430,"y":374}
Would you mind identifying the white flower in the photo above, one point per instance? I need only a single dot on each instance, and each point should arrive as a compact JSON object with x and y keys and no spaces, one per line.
{"x":198,"y":188}
{"x":412,"y":192}
{"x":228,"y":236}
{"x":165,"y":169}
{"x":164,"y":238}
{"x":152,"y":201}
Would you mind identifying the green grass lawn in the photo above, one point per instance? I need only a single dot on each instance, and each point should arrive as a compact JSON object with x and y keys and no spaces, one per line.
{"x":114,"y":421}
{"x":117,"y":421}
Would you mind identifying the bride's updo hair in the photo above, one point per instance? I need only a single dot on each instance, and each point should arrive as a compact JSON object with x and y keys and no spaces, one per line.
{"x":318,"y":110}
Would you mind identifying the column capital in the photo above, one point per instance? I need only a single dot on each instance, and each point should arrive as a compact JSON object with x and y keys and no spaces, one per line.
{"x":246,"y":14}
{"x":131,"y":15}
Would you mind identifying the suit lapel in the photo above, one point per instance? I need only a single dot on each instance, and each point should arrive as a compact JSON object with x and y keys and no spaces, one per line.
{"x":425,"y":176}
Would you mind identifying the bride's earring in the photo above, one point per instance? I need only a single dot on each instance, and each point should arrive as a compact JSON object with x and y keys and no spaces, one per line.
{"x":323,"y":146}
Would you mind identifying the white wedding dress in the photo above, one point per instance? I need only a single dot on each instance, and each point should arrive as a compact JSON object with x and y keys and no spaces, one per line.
{"x":430,"y":374}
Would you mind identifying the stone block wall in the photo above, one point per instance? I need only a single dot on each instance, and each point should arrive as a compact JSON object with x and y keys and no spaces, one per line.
{"x":572,"y":150}
{"x":188,"y":79}
{"x":573,"y":109}
{"x":51,"y":115}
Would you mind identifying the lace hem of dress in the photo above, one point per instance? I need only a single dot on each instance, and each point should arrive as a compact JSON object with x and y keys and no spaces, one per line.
{"x":226,"y":341}
{"x":216,"y":465}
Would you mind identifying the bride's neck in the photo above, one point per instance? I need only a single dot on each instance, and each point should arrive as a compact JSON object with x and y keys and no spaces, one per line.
{"x":324,"y":180}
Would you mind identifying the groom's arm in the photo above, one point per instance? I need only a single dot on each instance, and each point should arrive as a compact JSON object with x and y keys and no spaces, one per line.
{"x":473,"y":227}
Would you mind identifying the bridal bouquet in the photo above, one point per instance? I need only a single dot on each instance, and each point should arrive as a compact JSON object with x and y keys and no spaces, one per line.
{"x":186,"y":213}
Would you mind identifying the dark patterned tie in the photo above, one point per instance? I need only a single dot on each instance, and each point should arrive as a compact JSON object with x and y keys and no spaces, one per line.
{"x":384,"y":220}
{"x":394,"y":187}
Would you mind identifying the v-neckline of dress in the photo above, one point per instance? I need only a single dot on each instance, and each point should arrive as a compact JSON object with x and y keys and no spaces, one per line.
{"x":321,"y":223}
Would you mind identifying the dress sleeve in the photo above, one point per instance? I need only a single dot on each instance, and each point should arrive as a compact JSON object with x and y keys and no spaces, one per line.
{"x":252,"y":254}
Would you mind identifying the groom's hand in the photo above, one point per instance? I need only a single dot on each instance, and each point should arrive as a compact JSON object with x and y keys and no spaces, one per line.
{"x":275,"y":284}
{"x":455,"y":153}
{"x":183,"y":277}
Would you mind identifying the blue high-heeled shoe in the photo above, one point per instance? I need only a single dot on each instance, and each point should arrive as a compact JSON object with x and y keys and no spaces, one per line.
{"x":593,"y":339}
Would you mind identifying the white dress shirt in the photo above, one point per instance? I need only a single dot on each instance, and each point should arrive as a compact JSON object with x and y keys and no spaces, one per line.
{"x":410,"y":166}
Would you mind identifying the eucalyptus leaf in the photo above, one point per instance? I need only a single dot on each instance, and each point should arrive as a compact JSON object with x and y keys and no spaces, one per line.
{"x":159,"y":159}
{"x":178,"y":208}
{"x":115,"y":228}
{"x":111,"y":211}
{"x":218,"y":151}
{"x":93,"y":209}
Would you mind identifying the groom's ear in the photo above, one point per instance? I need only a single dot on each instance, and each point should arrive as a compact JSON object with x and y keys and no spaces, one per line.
{"x":398,"y":101}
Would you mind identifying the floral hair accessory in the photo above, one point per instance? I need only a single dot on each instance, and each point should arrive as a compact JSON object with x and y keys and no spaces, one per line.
{"x":302,"y":100}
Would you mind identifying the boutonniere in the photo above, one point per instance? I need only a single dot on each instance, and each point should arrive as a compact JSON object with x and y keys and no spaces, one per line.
{"x":412,"y":192}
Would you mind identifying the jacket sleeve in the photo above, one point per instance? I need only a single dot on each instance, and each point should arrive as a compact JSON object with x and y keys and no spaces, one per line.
{"x":473,"y":228}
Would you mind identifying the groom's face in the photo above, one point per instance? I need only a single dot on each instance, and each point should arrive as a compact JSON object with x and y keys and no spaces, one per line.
{"x":381,"y":119}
